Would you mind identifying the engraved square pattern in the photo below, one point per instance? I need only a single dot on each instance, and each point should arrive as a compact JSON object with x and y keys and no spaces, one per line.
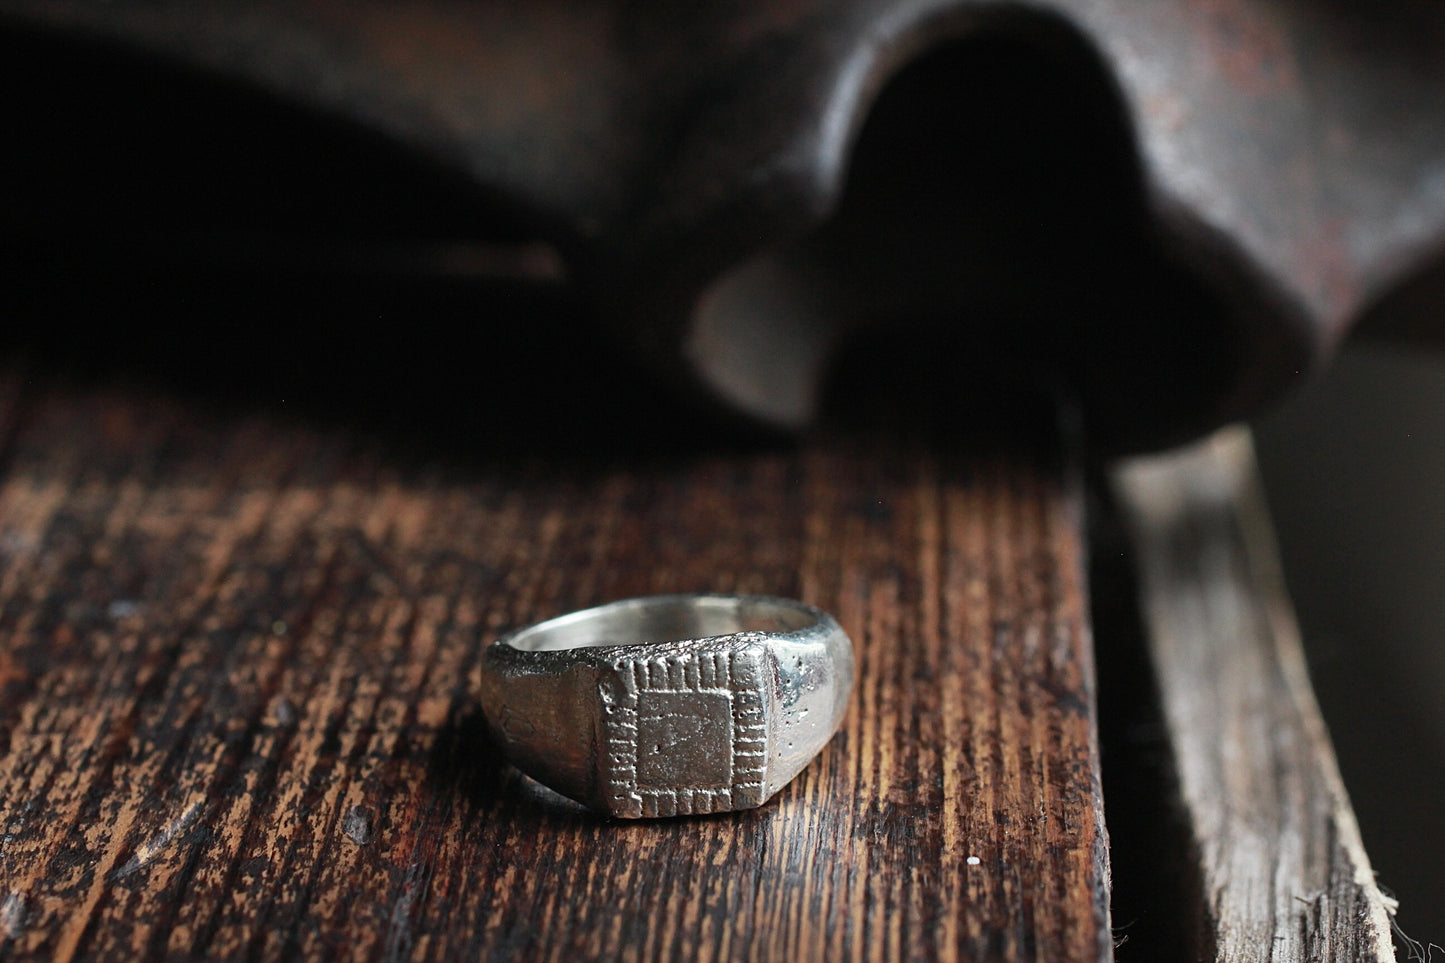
{"x":684,"y":733}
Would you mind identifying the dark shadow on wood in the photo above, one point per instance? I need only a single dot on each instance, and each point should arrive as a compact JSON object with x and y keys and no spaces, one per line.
{"x":1157,"y":904}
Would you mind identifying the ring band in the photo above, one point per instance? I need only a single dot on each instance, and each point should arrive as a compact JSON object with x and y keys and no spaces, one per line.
{"x":670,"y":705}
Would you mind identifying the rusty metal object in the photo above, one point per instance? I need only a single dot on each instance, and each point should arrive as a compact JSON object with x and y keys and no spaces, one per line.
{"x":1175,"y":208}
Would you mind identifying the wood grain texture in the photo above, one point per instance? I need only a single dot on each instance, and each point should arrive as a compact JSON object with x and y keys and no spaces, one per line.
{"x":1284,"y":874}
{"x":237,"y":698}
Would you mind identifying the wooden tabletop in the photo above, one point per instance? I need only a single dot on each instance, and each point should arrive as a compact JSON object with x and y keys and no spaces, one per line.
{"x":238,"y":713}
{"x":244,"y":590}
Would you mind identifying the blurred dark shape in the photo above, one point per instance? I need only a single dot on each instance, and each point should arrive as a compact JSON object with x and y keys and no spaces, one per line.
{"x":1166,"y":213}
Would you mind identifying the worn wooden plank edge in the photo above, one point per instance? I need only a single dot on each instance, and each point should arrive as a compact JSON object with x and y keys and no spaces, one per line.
{"x":1285,"y":875}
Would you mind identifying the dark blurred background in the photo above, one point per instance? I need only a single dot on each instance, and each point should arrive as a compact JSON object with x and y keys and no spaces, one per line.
{"x":1354,"y":467}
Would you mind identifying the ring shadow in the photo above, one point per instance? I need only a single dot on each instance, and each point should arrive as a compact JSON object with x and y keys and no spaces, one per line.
{"x":466,"y":763}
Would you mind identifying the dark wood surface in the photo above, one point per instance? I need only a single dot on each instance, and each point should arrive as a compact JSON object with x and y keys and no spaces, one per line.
{"x":1281,"y":872}
{"x":238,"y":719}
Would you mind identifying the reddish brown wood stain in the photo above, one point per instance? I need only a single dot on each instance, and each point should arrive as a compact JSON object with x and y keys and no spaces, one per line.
{"x":237,"y":666}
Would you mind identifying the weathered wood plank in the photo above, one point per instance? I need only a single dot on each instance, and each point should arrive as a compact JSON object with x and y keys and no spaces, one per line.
{"x":1284,"y":874}
{"x":237,"y":661}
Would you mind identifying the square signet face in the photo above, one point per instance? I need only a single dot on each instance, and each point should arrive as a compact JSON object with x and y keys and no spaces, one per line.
{"x":684,"y":739}
{"x":684,"y":733}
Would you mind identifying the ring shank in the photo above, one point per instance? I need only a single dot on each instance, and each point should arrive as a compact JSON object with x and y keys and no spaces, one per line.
{"x":664,"y":618}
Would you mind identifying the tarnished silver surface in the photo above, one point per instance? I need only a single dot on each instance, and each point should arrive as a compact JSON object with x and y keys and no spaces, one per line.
{"x":670,"y":705}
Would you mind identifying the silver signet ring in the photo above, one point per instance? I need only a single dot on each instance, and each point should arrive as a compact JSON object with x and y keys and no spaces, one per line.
{"x":670,"y":705}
